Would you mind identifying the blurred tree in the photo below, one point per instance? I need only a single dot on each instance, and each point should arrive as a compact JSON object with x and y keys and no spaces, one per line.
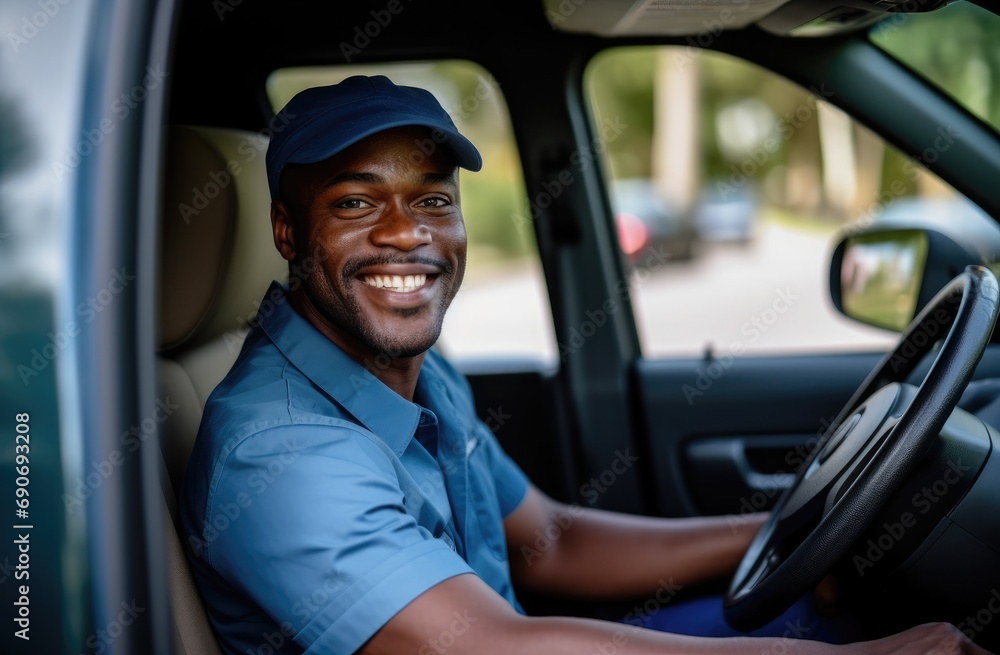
{"x":954,"y":47}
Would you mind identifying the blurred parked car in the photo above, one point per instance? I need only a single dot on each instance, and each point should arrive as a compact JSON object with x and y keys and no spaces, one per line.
{"x":726,"y":214}
{"x":648,"y":224}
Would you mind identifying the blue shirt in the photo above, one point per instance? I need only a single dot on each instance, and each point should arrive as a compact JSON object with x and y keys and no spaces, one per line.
{"x":318,"y":502}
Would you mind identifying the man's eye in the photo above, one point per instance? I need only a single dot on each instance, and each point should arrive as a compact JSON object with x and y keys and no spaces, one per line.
{"x":353,"y":203}
{"x":433,"y":202}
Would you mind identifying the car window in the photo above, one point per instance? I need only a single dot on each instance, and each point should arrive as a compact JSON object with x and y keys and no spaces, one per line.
{"x":954,"y":47}
{"x":729,"y":185}
{"x":503,"y":309}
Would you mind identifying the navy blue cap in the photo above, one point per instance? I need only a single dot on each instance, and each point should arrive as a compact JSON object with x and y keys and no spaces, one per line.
{"x":324,"y":120}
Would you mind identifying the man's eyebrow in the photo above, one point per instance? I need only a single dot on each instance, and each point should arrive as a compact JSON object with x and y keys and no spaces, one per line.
{"x":352,"y":176}
{"x":439,"y":178}
{"x":372,"y":178}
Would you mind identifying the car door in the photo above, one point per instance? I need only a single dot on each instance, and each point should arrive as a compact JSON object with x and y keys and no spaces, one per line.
{"x":81,"y":94}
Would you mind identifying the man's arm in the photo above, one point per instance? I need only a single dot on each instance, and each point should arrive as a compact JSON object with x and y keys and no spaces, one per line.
{"x":463,"y":616}
{"x":589,"y":553}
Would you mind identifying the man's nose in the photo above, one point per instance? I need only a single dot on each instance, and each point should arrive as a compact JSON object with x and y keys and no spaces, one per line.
{"x":401,"y":228}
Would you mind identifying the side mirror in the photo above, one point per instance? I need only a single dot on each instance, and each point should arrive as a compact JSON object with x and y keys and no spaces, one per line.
{"x":880,"y":276}
{"x":885,"y":272}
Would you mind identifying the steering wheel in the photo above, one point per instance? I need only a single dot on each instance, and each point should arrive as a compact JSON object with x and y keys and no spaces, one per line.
{"x":862,"y":460}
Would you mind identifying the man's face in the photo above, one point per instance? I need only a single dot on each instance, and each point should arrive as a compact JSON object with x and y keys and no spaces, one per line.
{"x":378,"y":232}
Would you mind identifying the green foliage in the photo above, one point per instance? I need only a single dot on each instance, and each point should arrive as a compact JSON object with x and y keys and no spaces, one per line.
{"x":955,"y":48}
{"x":620,"y":83}
{"x":496,"y":217}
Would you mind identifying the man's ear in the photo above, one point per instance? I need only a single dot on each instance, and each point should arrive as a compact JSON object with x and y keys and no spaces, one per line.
{"x":283,"y":230}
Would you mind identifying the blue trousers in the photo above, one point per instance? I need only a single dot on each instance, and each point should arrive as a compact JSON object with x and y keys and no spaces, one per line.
{"x":702,"y":617}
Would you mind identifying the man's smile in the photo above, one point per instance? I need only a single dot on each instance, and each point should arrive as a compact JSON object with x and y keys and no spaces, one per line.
{"x":402,"y":278}
{"x":404,"y":284}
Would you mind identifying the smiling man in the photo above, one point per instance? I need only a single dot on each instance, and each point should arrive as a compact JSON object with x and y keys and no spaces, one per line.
{"x":343,"y":496}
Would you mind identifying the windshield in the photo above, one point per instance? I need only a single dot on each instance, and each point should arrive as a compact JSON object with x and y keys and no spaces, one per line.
{"x":955,"y":48}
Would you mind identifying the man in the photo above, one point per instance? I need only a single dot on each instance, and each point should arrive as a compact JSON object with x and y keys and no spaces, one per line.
{"x":342,"y":496}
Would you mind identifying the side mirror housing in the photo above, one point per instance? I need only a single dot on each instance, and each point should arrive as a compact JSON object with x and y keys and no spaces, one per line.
{"x":885,"y":272}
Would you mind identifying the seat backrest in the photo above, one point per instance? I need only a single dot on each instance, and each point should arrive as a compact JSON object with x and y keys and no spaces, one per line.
{"x":217,"y":259}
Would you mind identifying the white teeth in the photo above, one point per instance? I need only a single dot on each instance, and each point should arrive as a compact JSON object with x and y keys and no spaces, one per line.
{"x":396,"y":282}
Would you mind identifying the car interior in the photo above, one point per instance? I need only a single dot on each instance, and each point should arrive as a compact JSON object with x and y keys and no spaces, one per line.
{"x":564,"y":419}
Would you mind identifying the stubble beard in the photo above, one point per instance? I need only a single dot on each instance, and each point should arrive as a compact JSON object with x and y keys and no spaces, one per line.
{"x":344,"y":311}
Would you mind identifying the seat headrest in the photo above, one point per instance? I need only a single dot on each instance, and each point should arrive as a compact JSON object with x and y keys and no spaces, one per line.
{"x":217,"y":256}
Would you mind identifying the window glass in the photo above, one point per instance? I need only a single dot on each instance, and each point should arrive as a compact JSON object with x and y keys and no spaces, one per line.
{"x":955,"y":48}
{"x":503,"y":308}
{"x":745,"y":181}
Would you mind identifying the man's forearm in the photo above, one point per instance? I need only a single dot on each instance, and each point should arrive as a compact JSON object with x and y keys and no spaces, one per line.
{"x":597,"y":554}
{"x":463,"y":616}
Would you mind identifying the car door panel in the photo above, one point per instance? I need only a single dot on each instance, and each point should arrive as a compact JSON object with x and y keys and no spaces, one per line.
{"x":727,"y":446}
{"x":524,"y":409}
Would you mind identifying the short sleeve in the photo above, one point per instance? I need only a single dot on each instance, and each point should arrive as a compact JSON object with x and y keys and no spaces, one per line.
{"x":318,"y":536}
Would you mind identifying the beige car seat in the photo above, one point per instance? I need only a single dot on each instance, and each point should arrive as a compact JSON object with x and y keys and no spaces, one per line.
{"x":217,"y":259}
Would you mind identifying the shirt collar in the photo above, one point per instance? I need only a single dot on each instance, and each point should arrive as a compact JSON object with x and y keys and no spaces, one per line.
{"x":376,"y":406}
